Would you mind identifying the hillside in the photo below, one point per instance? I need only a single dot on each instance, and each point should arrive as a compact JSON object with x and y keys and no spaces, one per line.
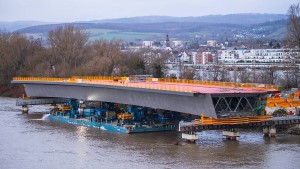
{"x":242,"y":19}
{"x":273,"y":30}
{"x":13,"y":26}
{"x":156,"y":27}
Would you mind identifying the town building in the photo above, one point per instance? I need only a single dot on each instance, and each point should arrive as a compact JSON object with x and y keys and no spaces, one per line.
{"x":147,"y":44}
{"x":202,"y":57}
{"x":177,"y":44}
{"x":212,"y":43}
{"x":243,"y":55}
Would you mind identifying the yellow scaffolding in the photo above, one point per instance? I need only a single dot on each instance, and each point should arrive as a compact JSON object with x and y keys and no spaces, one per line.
{"x":234,"y":120}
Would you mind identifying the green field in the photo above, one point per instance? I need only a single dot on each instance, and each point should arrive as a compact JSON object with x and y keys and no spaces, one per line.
{"x":108,"y":34}
{"x":201,"y":33}
{"x":278,"y":34}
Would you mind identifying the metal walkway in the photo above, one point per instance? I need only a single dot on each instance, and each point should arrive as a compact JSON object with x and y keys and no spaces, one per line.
{"x":275,"y":121}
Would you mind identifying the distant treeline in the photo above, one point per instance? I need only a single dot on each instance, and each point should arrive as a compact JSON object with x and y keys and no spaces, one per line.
{"x":68,"y":52}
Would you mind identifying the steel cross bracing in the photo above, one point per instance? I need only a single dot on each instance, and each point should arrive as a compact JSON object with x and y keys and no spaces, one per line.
{"x":234,"y":105}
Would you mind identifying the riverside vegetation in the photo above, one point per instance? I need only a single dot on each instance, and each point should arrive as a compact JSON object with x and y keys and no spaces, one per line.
{"x":67,"y":52}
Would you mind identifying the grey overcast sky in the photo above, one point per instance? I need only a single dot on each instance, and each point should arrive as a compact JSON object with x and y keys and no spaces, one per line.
{"x":85,"y":10}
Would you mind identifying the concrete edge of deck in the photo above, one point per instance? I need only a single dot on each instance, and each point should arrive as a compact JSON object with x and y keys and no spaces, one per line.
{"x":108,"y":86}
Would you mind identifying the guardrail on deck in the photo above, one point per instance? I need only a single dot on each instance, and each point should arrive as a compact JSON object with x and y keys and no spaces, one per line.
{"x":165,"y":84}
{"x":255,"y":86}
{"x":111,"y":81}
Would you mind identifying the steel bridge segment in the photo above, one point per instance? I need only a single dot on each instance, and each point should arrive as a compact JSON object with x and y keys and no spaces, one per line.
{"x":236,"y":103}
{"x":191,"y":103}
{"x":108,"y":86}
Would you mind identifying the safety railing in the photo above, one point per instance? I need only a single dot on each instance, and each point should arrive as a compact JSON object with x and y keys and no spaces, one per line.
{"x":111,"y":81}
{"x":111,"y":78}
{"x":168,"y":84}
{"x":255,"y":86}
{"x":154,"y":86}
{"x":43,"y":79}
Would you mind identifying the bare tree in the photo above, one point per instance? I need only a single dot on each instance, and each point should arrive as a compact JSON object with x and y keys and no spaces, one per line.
{"x":103,"y":58}
{"x":67,"y":46}
{"x":14,"y":51}
{"x":293,"y":36}
{"x":225,"y":75}
{"x":188,"y":74}
{"x":155,"y":61}
{"x":290,"y":78}
{"x":245,"y":76}
{"x":216,"y":71}
{"x":219,"y":72}
{"x":291,"y":73}
{"x":268,"y":76}
{"x":132,"y":63}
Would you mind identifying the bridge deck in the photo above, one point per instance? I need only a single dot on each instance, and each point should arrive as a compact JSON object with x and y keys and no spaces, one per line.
{"x":186,"y":96}
{"x":189,"y":86}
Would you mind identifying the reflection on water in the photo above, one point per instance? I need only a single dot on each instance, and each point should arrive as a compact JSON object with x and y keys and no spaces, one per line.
{"x":30,"y":143}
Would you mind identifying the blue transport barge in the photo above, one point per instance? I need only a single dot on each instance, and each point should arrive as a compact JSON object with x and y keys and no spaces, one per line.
{"x":114,"y":126}
{"x":114,"y":117}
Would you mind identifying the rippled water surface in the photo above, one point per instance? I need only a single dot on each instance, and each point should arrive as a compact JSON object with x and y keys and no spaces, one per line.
{"x":28,"y":142}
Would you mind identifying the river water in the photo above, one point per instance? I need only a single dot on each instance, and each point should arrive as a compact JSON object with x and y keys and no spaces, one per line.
{"x":28,"y":142}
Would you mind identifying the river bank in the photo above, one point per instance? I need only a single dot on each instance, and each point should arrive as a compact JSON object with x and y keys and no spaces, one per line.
{"x":12,"y":90}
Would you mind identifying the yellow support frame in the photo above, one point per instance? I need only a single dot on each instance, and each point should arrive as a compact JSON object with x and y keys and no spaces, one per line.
{"x":234,"y":120}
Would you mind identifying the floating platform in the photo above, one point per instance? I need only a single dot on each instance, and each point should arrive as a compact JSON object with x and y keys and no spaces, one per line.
{"x":112,"y":126}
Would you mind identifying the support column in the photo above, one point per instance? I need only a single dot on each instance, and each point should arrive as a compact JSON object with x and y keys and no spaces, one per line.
{"x":269,"y":131}
{"x":53,"y":109}
{"x":266,"y":131}
{"x":81,"y":106}
{"x":25,"y":109}
{"x":190,"y":137}
{"x":231,"y":134}
{"x":272,"y":132}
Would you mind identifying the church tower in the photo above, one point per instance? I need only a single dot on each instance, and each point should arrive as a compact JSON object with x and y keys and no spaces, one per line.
{"x":167,"y":41}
